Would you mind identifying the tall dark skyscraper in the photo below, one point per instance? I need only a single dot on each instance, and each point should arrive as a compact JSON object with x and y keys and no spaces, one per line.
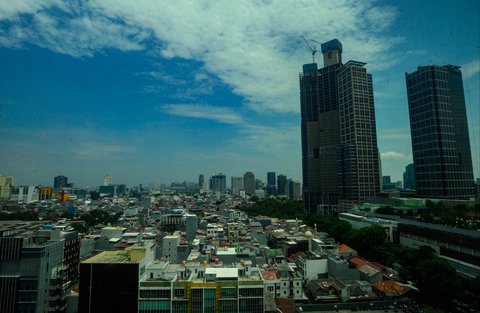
{"x":249,"y":183}
{"x":271,"y":181}
{"x":438,"y":124}
{"x":339,"y":143}
{"x":60,"y":181}
{"x":409,"y":177}
{"x":201,"y":181}
{"x":281,"y":184}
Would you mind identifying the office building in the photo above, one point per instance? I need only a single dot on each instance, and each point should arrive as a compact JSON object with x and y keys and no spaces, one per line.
{"x":271,"y":181}
{"x":107,"y":180}
{"x":340,"y":163}
{"x":60,"y":182}
{"x":201,"y":182}
{"x":281,"y":184}
{"x":237,"y":185}
{"x":218,"y":183}
{"x":297,"y":190}
{"x":6,"y":185}
{"x":409,"y":177}
{"x":439,"y":129}
{"x":249,"y":183}
{"x":109,"y":280}
{"x":32,"y":274}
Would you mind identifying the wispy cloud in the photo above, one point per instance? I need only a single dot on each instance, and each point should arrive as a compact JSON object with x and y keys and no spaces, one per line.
{"x":102,"y":151}
{"x":394,"y":155}
{"x":396,"y":134}
{"x":470,"y":69}
{"x":203,"y":111}
{"x":257,"y":55}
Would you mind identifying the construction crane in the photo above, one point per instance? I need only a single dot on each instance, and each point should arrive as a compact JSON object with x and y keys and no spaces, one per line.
{"x":313,"y":50}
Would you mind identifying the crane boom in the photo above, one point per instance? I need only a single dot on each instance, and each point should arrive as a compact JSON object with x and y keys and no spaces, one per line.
{"x":313,"y":50}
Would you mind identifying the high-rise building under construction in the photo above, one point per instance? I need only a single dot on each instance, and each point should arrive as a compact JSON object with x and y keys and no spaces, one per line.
{"x":339,"y":140}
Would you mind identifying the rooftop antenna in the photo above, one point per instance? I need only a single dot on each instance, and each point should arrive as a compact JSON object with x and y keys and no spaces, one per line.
{"x":313,"y":50}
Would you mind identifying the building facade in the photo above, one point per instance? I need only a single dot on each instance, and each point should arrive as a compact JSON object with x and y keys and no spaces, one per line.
{"x":249,"y":183}
{"x":281,"y":184}
{"x":237,"y":184}
{"x":409,"y":177}
{"x":439,"y":129}
{"x":31,"y":274}
{"x":60,"y":182}
{"x":340,"y":163}
{"x":6,"y":185}
{"x":218,"y":183}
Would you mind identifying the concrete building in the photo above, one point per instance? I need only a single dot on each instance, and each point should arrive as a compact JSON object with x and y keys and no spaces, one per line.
{"x":297,"y":190}
{"x":170,"y":244}
{"x":113,"y":231}
{"x":24,"y":194}
{"x":6,"y":185}
{"x":439,"y":129}
{"x":218,"y":183}
{"x":409,"y":177}
{"x":249,"y":183}
{"x":237,"y":185}
{"x":339,"y":145}
{"x":31,"y":272}
{"x":109,"y":281}
{"x":107,"y":180}
{"x":60,"y":182}
{"x":196,"y":287}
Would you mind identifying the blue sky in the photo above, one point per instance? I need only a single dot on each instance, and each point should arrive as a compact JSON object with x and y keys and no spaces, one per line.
{"x":162,"y":91}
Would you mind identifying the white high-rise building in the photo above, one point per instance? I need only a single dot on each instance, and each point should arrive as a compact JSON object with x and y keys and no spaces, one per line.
{"x":107,"y":180}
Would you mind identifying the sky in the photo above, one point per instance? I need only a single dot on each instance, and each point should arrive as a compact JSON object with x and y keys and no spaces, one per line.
{"x":161,"y":91}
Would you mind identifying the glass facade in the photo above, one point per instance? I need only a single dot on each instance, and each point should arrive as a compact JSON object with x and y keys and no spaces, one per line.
{"x":438,"y":125}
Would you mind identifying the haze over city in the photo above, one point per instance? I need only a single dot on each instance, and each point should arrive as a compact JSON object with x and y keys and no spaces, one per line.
{"x":147,"y":92}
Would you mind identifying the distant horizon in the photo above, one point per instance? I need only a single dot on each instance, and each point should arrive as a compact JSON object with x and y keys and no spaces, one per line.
{"x":147,"y":92}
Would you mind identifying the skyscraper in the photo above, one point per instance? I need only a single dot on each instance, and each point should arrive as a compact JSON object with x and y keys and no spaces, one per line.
{"x":107,"y":180}
{"x":438,"y":125}
{"x":60,"y":182}
{"x":281,"y":184}
{"x":249,"y":183}
{"x":218,"y":183}
{"x":339,"y":143}
{"x":271,"y":179}
{"x":409,"y":177}
{"x":201,"y":181}
{"x":271,"y":183}
{"x":237,"y":184}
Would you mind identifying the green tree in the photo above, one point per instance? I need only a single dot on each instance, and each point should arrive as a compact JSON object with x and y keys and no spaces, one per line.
{"x":366,"y":240}
{"x":438,"y":282}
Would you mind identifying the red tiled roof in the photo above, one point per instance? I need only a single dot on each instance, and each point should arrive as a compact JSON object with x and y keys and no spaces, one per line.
{"x":358,"y":262}
{"x":388,"y":286}
{"x":343,"y":248}
{"x":270,"y":275}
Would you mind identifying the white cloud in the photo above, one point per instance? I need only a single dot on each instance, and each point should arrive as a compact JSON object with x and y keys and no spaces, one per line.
{"x":95,"y":151}
{"x":470,"y":69}
{"x":396,"y":134}
{"x":257,"y":51}
{"x":202,"y":111}
{"x":394,"y":155}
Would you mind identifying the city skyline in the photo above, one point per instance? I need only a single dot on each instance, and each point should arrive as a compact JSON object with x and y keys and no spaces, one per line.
{"x":134,"y":91}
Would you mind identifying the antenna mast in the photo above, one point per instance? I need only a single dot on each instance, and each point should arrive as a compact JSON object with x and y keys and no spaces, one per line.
{"x":313,"y":50}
